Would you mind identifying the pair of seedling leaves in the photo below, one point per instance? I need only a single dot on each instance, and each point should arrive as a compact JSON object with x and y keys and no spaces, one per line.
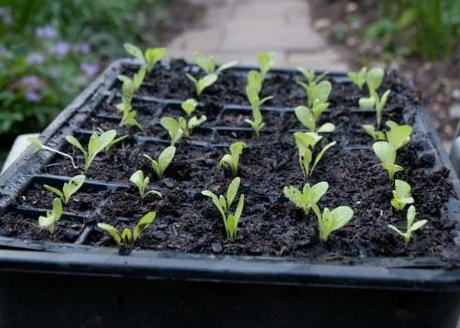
{"x":307,"y":199}
{"x":306,"y":143}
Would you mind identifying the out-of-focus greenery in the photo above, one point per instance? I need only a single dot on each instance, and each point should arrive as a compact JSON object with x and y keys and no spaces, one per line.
{"x":430,"y":28}
{"x":50,"y":50}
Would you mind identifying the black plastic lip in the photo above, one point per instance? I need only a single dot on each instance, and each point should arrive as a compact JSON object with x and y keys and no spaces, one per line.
{"x":32,"y":256}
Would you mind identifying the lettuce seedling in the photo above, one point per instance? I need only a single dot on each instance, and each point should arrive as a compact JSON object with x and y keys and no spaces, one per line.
{"x":266,"y":61}
{"x":398,"y":135}
{"x":224,"y":203}
{"x":173,"y":127}
{"x":308,"y":198}
{"x":373,"y":132}
{"x":40,"y":146}
{"x":386,"y":153}
{"x":97,"y":143}
{"x":306,"y":142}
{"x":358,"y":78}
{"x":374,"y":79}
{"x":193,"y":122}
{"x":209,"y":64}
{"x":330,"y":221}
{"x":254,"y":80}
{"x":128,"y":237}
{"x":125,"y":107}
{"x":257,"y":122}
{"x":189,"y":106}
{"x":402,"y":195}
{"x":142,"y":184}
{"x":149,"y":58}
{"x":132,"y":85}
{"x":316,"y":90}
{"x":411,"y":226}
{"x":164,"y":159}
{"x":232,"y":160}
{"x":68,"y":189}
{"x":310,"y":117}
{"x":48,"y":222}
{"x":203,"y":83}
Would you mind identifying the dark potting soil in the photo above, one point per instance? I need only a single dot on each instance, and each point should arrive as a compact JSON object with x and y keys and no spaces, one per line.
{"x":271,"y":225}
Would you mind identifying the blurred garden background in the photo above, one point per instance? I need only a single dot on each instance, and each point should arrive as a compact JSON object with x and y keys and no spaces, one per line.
{"x":51,"y":50}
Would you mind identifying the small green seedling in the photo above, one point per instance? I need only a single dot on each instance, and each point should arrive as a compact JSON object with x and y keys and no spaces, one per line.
{"x":266,"y":61}
{"x":411,"y":227}
{"x":164,"y":159}
{"x":310,"y":117}
{"x":173,"y":127}
{"x":398,"y":135}
{"x":142,"y":183}
{"x":149,"y":58}
{"x":224,"y":203}
{"x":125,"y":107}
{"x":257,"y":122}
{"x":255,"y":81}
{"x":308,"y":198}
{"x":189,"y":106}
{"x":377,"y":135}
{"x":40,"y":146}
{"x":97,"y":143}
{"x":330,"y":221}
{"x":128,"y":237}
{"x":209,"y":64}
{"x":134,"y":84}
{"x":203,"y":83}
{"x":386,"y":153}
{"x":48,"y":222}
{"x":188,"y":126}
{"x":232,"y":160}
{"x":68,"y":189}
{"x":316,"y":90}
{"x":306,"y":142}
{"x":374,"y":79}
{"x":358,"y":78}
{"x":402,"y":195}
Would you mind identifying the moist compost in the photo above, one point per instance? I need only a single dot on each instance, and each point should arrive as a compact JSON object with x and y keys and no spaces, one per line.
{"x":271,"y":225}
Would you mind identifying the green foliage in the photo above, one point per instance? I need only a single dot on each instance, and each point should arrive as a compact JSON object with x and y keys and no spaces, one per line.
{"x":358,"y":78}
{"x":142,"y":183}
{"x":224,"y":203}
{"x":189,"y":106}
{"x":374,"y":79}
{"x":255,"y":80}
{"x":306,"y":143}
{"x":68,"y":189}
{"x":398,"y":135}
{"x":174,"y":129}
{"x":310,"y":117}
{"x":188,"y":125}
{"x":164,"y":159}
{"x":308,"y":198}
{"x":386,"y":153}
{"x":266,"y":61}
{"x":411,"y":225}
{"x":97,"y":143}
{"x":316,"y":90}
{"x":129,"y":87}
{"x":257,"y":122}
{"x":232,"y":160}
{"x":402,"y":195}
{"x":331,"y":221}
{"x":38,"y":144}
{"x":203,"y":83}
{"x":149,"y":58}
{"x":48,"y":222}
{"x":127,"y":236}
{"x":373,"y":132}
{"x":208,"y":63}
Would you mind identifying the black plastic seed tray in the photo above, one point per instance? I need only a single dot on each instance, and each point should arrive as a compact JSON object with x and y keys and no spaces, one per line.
{"x":75,"y":284}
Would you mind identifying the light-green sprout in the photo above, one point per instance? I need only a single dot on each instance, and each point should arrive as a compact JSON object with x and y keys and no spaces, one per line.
{"x":257,"y":122}
{"x":189,"y":106}
{"x":187,"y":126}
{"x":164,"y":159}
{"x":232,"y":160}
{"x":316,"y":90}
{"x":398,"y":135}
{"x":411,"y":225}
{"x":310,"y":117}
{"x":209,"y":64}
{"x":203,"y":83}
{"x":149,"y":58}
{"x":266,"y":61}
{"x":330,"y":221}
{"x":142,"y":183}
{"x":386,"y":153}
{"x":49,"y":221}
{"x":374,"y":79}
{"x":308,"y":198}
{"x":125,"y":107}
{"x":402,"y":195}
{"x":173,"y":127}
{"x":68,"y":189}
{"x":358,"y":78}
{"x":306,"y":143}
{"x":39,"y":145}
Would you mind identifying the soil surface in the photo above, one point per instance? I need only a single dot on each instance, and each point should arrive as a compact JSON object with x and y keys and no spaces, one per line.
{"x":188,"y":222}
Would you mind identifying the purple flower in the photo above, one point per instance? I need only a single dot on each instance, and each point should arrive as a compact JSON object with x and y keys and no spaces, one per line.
{"x":89,"y":69}
{"x":32,"y":96}
{"x":45,"y":32}
{"x":31,"y":82}
{"x":60,"y":49}
{"x":84,"y":48}
{"x":35,"y":58}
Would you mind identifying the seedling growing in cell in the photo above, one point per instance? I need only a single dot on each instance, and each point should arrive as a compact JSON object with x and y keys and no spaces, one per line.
{"x":374,"y":79}
{"x":142,"y":184}
{"x":330,"y":221}
{"x":132,"y":85}
{"x":164,"y":159}
{"x":306,"y":143}
{"x":149,"y":58}
{"x":310,"y":117}
{"x":224,"y":203}
{"x":189,"y":106}
{"x":232,"y":160}
{"x":255,"y":81}
{"x":128,"y":237}
{"x":203,"y":83}
{"x":209,"y":64}
{"x":358,"y":78}
{"x":308,"y":198}
{"x":411,"y":227}
{"x":386,"y":153}
{"x":173,"y":127}
{"x":257,"y":122}
{"x":316,"y":90}
{"x":40,"y":146}
{"x":402,"y":195}
{"x":398,"y":135}
{"x":68,"y":189}
{"x":266,"y":61}
{"x":188,"y":126}
{"x":125,"y":107}
{"x":373,"y":132}
{"x":48,"y":222}
{"x":97,"y":143}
